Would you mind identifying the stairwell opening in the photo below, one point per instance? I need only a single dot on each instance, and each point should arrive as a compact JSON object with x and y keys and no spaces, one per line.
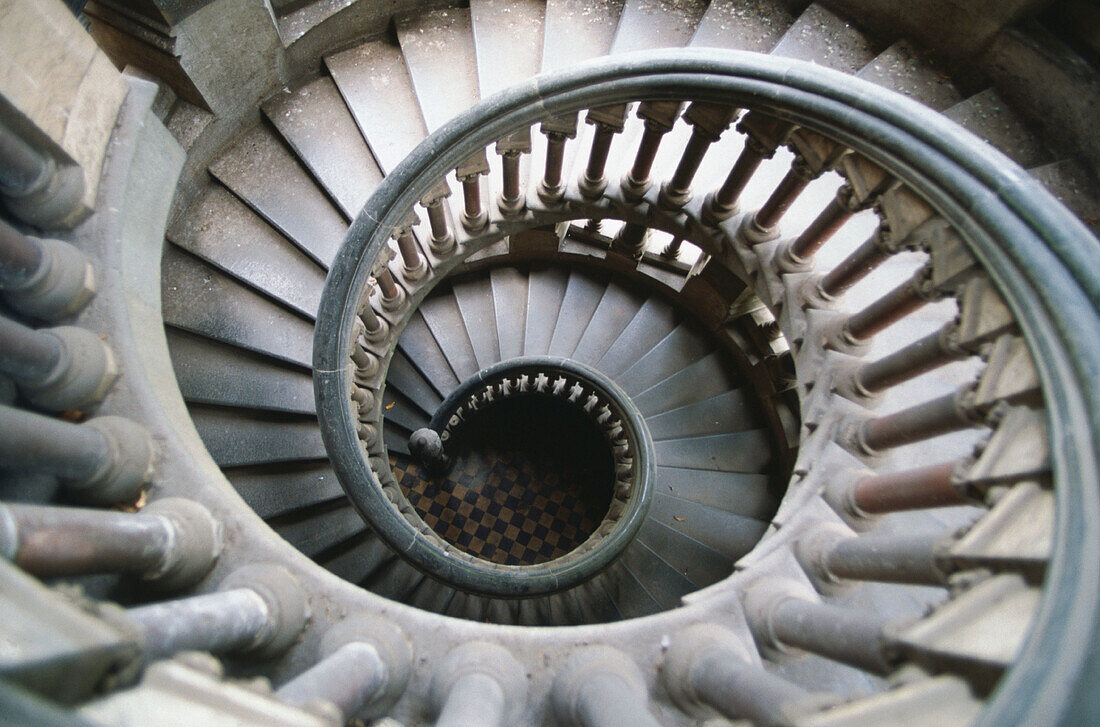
{"x":531,"y":479}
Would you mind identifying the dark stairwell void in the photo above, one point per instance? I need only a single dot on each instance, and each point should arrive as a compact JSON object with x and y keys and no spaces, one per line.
{"x":531,"y":480}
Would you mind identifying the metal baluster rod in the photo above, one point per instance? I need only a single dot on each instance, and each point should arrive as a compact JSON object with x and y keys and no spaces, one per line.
{"x":478,"y":685}
{"x":37,"y":188}
{"x":949,"y":413}
{"x":172,"y":541}
{"x":761,"y":225}
{"x":906,"y":298}
{"x":56,"y":369}
{"x":783,"y":618}
{"x":364,"y":668}
{"x":258,"y":609}
{"x":601,"y":687}
{"x":839,"y":210}
{"x":709,"y":665}
{"x":551,"y":188}
{"x":511,"y":198}
{"x":42,"y":277}
{"x":105,"y":460}
{"x":914,"y":489}
{"x":474,"y":217}
{"x":923,"y":355}
{"x":833,"y":556}
{"x":442,"y":239}
{"x":724,"y":203}
{"x":413,"y":265}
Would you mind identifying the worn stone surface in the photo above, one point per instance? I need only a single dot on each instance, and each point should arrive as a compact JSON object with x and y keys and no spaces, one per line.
{"x":53,"y":74}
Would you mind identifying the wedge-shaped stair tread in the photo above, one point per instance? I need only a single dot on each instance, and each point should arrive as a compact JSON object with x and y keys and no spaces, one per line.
{"x":756,"y":25}
{"x":666,"y":584}
{"x":747,"y":451}
{"x":728,"y":533}
{"x":397,"y":408}
{"x":318,"y":529}
{"x":234,"y":437}
{"x":703,"y":379}
{"x":265,"y":174}
{"x":1018,"y":532}
{"x":509,"y":287}
{"x":279,"y":489}
{"x":733,"y":492}
{"x":475,"y":304}
{"x":983,"y":627}
{"x":545,"y":291}
{"x":821,"y":37}
{"x":699,"y":563}
{"x":720,"y":414}
{"x":220,"y":229}
{"x":988,"y":116}
{"x":439,"y":51}
{"x":653,"y":321}
{"x":444,"y":319}
{"x":616,"y":309}
{"x":376,"y":87}
{"x":900,"y":69}
{"x":396,"y":437}
{"x":582,"y":296}
{"x":630,"y":596}
{"x":316,"y":123}
{"x":406,"y":378}
{"x":201,"y":299}
{"x":679,"y":349}
{"x":356,"y":558}
{"x":507,"y":29}
{"x":213,"y":373}
{"x":578,"y":30}
{"x":649,"y":24}
{"x":943,"y":701}
{"x":420,"y":348}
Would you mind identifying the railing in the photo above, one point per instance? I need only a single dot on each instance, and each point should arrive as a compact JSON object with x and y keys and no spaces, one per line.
{"x":1018,"y":267}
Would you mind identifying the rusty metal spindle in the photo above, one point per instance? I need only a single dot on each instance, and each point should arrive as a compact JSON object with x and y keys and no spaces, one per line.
{"x":914,"y":489}
{"x":20,"y":257}
{"x":387,"y":285}
{"x":510,"y":170}
{"x":437,"y":220}
{"x":725,"y":201}
{"x":370,"y":319}
{"x":887,"y":310}
{"x":647,"y":152}
{"x":680,"y":185}
{"x":854,"y":268}
{"x":792,"y":185}
{"x":932,"y":418}
{"x":911,"y":559}
{"x":556,"y":162}
{"x":597,"y":159}
{"x":630,"y":239}
{"x":824,"y":226}
{"x":841,"y":634}
{"x":473,"y":216}
{"x":26,"y":354}
{"x":917,"y":358}
{"x":410,"y":253}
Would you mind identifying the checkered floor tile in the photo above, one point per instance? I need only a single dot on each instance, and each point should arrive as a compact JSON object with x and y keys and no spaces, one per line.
{"x":504,"y":507}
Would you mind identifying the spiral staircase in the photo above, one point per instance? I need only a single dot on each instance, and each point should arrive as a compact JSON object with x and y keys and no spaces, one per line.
{"x":678,"y":385}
